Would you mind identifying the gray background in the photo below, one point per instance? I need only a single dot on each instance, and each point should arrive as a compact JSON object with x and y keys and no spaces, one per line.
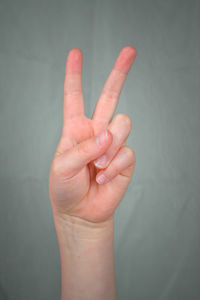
{"x":157,"y":232}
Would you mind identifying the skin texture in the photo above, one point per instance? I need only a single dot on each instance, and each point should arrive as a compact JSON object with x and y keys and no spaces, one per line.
{"x":88,"y":178}
{"x":89,"y":200}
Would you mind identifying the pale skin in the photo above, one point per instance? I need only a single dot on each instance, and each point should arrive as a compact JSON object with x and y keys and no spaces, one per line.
{"x":83,"y":201}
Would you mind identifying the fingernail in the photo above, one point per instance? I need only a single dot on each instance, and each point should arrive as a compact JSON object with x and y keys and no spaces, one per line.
{"x":101,"y":162}
{"x":101,"y":179}
{"x":102,"y":137}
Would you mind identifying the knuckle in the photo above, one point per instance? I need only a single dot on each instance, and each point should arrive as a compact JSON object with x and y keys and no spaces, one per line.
{"x":83,"y":149}
{"x":109,"y":94}
{"x":115,"y":169}
{"x":60,"y":168}
{"x":56,"y":167}
{"x":130,"y":154}
{"x":124,"y":119}
{"x":75,"y":92}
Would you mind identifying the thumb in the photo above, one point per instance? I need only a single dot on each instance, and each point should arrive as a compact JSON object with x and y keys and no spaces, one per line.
{"x":73,"y":160}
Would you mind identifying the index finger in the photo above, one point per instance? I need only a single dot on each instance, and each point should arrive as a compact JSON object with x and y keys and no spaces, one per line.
{"x":73,"y":104}
{"x":108,"y":99}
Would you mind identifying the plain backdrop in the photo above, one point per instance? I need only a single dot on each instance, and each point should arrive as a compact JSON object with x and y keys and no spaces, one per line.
{"x":157,"y":225}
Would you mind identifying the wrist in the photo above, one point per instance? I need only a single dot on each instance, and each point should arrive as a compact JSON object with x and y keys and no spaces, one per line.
{"x":80,"y":229}
{"x":87,"y":254}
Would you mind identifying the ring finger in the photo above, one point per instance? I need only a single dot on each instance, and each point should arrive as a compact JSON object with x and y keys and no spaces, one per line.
{"x":122,"y":164}
{"x":120,"y":128}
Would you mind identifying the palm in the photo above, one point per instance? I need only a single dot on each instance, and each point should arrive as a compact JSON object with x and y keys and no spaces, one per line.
{"x":82,"y":196}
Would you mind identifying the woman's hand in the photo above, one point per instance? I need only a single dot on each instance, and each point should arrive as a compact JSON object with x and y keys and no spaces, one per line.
{"x":91,"y":172}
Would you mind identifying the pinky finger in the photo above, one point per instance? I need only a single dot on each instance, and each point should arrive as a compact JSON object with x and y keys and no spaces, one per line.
{"x":122,"y":164}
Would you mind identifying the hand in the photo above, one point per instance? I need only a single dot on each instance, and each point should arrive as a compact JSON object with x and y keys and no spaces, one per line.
{"x":80,"y":185}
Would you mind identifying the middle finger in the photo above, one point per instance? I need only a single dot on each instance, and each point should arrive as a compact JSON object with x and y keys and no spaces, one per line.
{"x":108,"y":99}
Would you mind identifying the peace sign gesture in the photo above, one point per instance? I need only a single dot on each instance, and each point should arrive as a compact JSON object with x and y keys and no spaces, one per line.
{"x":92,"y":166}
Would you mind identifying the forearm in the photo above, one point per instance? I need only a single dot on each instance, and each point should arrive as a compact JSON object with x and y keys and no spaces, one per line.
{"x":87,"y":259}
